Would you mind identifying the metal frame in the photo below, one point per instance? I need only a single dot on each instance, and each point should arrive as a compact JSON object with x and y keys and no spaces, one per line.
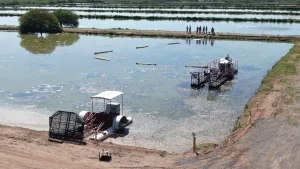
{"x":104,"y":100}
{"x":66,"y":126}
{"x":199,"y":79}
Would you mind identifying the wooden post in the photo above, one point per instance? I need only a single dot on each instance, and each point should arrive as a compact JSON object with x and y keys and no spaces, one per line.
{"x":103,"y":52}
{"x":173,"y":43}
{"x":141,"y":47}
{"x":145,"y":63}
{"x":194,"y":142}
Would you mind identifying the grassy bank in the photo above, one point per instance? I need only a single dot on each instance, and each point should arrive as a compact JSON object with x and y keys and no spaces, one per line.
{"x":278,"y":80}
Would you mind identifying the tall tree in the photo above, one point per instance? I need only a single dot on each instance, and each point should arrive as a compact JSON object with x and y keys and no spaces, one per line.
{"x":39,"y":21}
{"x":66,"y":18}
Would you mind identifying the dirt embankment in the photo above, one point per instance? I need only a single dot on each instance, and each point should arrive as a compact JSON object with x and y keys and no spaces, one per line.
{"x":169,"y":34}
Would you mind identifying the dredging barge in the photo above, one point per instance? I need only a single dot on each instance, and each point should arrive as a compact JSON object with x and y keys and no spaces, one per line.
{"x":215,"y":74}
{"x":109,"y":122}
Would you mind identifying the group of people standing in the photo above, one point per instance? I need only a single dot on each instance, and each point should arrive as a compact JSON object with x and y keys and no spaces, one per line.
{"x":199,"y":29}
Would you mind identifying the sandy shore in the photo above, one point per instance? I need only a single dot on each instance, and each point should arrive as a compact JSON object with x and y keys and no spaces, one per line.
{"x":23,"y":148}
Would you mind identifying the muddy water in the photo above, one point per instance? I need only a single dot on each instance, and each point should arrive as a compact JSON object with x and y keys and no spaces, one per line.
{"x":231,"y":27}
{"x":58,"y":72}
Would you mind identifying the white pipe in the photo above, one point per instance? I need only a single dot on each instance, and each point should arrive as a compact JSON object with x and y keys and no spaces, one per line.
{"x":83,"y":115}
{"x":105,"y":134}
{"x":129,"y":120}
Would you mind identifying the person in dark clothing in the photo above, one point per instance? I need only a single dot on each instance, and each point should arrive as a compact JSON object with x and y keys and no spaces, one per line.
{"x":190,"y":29}
{"x":200,"y":29}
{"x":206,"y":29}
{"x":203,"y":29}
{"x":197,"y":29}
{"x":187,"y":29}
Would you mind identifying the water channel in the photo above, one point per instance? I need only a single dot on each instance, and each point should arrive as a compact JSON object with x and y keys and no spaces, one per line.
{"x":165,"y":9}
{"x":223,"y":26}
{"x":258,"y":16}
{"x":58,"y":72}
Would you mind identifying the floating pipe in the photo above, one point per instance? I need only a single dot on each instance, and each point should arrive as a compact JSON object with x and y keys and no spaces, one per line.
{"x":173,"y":43}
{"x":116,"y":126}
{"x":145,"y":63}
{"x":141,"y":47}
{"x":103,"y":52}
{"x":105,"y":134}
{"x":101,"y":58}
{"x":197,"y":66}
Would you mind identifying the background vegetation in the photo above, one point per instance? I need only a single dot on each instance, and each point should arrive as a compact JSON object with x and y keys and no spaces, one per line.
{"x":37,"y":20}
{"x":215,"y":3}
{"x":66,"y":18}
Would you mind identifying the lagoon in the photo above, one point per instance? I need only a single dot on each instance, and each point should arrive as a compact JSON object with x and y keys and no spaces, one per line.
{"x":58,"y":72}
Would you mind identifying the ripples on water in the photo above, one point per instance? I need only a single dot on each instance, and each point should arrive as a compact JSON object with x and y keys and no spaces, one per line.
{"x":165,"y":109}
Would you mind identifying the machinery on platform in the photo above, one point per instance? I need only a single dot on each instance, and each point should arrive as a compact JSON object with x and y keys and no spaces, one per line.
{"x":106,"y":123}
{"x":215,"y":74}
{"x":98,"y":125}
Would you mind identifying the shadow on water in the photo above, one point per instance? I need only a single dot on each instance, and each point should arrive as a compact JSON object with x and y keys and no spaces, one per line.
{"x":201,"y":41}
{"x":46,"y":44}
{"x":204,"y":91}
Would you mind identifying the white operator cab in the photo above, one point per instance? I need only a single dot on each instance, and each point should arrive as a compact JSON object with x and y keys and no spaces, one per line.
{"x":109,"y":106}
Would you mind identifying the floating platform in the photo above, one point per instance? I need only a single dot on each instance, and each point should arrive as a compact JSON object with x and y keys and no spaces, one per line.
{"x":215,"y":84}
{"x":215,"y":74}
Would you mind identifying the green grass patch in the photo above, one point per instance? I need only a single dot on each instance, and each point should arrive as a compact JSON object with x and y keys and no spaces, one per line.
{"x":204,"y":146}
{"x":297,"y":59}
{"x":281,"y":70}
{"x":280,"y":73}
